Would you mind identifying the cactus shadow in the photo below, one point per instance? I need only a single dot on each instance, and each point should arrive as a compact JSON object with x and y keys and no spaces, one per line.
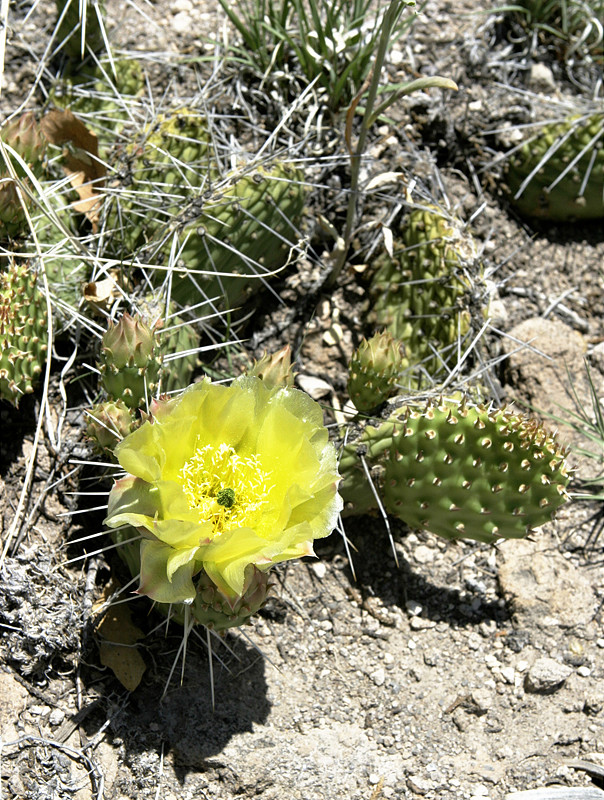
{"x":441,"y":590}
{"x":183,"y":723}
{"x":15,"y":423}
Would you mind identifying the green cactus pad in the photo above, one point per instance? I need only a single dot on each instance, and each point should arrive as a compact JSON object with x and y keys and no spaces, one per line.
{"x":101,"y":96}
{"x":23,"y":332}
{"x":423,"y":294}
{"x":239,"y":233}
{"x":375,"y":367}
{"x":559,"y":174}
{"x":465,"y":471}
{"x":166,"y":166}
{"x":130,"y":362}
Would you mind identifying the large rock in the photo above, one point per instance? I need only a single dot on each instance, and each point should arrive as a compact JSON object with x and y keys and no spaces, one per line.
{"x":550,"y":375}
{"x":542,"y":587}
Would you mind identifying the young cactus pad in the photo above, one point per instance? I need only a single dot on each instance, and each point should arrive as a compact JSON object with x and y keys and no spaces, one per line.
{"x":559,"y":174}
{"x":375,"y":367}
{"x":422,"y":293}
{"x":220,"y":480}
{"x":23,"y":332}
{"x":465,"y":472}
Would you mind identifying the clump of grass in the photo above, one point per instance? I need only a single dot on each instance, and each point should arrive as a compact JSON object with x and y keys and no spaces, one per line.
{"x":574,"y":26}
{"x":328,"y":43}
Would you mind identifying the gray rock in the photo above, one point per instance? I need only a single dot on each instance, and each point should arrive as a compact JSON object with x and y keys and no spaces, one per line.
{"x":546,"y":676}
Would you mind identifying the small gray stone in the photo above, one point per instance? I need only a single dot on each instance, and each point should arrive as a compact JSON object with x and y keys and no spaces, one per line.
{"x":378,"y":677}
{"x":546,"y":676}
{"x":542,"y":78}
{"x":419,"y":785}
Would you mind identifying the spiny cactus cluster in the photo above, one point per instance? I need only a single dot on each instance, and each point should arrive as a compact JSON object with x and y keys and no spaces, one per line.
{"x":23,"y":332}
{"x":101,"y":93}
{"x":459,"y":470}
{"x":424,"y":292}
{"x":559,"y":173}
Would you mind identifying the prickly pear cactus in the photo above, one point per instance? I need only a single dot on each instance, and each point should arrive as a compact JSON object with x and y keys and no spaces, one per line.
{"x":23,"y":332}
{"x":101,"y":96}
{"x":25,"y":136}
{"x":559,"y":174}
{"x":130,"y":362}
{"x":168,"y":164}
{"x":461,"y":471}
{"x":241,"y":232}
{"x":375,"y":367}
{"x":423,"y":293}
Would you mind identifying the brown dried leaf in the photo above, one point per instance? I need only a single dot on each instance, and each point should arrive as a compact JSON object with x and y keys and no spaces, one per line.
{"x":117,"y":647}
{"x":81,"y":161}
{"x":102,"y":294}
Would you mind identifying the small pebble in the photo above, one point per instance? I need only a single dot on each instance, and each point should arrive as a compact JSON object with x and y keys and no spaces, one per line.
{"x":56,"y":717}
{"x":378,"y":677}
{"x":584,"y":672}
{"x":319,"y":569}
{"x":414,"y":608}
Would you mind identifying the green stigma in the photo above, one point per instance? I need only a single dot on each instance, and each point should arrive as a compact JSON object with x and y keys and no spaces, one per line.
{"x":226,"y":498}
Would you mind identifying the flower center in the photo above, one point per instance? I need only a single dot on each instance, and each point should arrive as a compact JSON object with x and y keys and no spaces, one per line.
{"x":229,"y":490}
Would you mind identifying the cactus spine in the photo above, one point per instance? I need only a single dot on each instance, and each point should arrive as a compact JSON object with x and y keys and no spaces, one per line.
{"x":559,"y":174}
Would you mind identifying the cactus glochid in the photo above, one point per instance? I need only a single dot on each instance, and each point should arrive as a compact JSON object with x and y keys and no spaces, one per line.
{"x":460,"y":471}
{"x":559,"y":174}
{"x":23,"y":332}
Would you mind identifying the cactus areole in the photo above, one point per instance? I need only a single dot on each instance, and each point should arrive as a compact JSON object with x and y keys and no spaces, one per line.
{"x":223,"y":482}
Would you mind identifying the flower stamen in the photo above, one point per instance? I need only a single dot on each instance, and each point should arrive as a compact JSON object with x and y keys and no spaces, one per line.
{"x":226,"y":488}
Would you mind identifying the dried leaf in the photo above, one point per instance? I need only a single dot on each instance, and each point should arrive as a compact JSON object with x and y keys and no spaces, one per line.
{"x":117,"y":647}
{"x":102,"y":294}
{"x":81,"y":161}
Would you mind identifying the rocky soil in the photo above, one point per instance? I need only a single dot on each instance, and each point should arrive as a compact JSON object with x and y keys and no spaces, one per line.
{"x":462,"y":671}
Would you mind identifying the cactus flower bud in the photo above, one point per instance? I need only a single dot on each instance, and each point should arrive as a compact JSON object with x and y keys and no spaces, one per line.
{"x":130,"y":361}
{"x":275,"y":370}
{"x":223,"y":483}
{"x":375,"y":367}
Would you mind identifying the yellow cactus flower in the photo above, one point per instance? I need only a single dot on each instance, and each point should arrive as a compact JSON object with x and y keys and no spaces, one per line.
{"x":221,"y":478}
